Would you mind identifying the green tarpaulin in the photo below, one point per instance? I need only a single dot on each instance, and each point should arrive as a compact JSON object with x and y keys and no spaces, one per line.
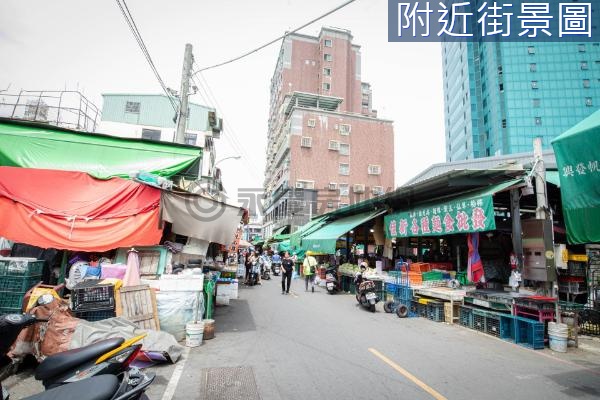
{"x":324,"y":239}
{"x":309,"y":227}
{"x":283,"y":246}
{"x":578,"y":158}
{"x":101,"y":156}
{"x":473,"y":212}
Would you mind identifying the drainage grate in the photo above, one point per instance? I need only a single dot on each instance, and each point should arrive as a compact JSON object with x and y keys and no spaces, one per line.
{"x":230,"y":384}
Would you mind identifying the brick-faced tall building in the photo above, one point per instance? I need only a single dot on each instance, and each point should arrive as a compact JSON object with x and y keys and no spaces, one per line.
{"x":326,"y":146}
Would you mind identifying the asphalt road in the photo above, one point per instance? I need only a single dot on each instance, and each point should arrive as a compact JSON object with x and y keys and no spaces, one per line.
{"x":318,"y":346}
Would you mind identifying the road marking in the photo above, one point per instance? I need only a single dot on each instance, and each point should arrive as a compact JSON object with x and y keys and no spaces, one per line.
{"x":170,"y":390}
{"x":408,"y":375}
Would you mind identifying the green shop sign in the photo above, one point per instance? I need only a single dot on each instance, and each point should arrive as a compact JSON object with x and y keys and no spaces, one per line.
{"x":460,"y":215}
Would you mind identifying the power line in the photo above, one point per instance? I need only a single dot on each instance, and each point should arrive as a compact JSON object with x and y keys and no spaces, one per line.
{"x":246,"y":54}
{"x":138,"y":37}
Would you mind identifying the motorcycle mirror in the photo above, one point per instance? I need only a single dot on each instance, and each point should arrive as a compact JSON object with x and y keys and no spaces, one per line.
{"x":45,"y":299}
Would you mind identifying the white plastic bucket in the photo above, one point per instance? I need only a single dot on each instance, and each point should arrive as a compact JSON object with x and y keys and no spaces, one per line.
{"x":193,"y":334}
{"x":558,"y":334}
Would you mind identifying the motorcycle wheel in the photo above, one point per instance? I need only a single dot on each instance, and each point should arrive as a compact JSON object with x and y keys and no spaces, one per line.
{"x":363,"y":301}
{"x":402,"y":311}
{"x":372,"y":307}
{"x":388,"y":306}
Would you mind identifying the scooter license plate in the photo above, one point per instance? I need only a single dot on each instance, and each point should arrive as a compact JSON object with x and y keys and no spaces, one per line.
{"x":371,"y":296}
{"x":329,"y":285}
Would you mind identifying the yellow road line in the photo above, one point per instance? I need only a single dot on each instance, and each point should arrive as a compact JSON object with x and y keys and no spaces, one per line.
{"x":408,"y":375}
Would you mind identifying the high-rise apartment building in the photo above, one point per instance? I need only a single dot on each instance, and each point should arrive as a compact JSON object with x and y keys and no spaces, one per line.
{"x":326,"y":146}
{"x":499,"y":96}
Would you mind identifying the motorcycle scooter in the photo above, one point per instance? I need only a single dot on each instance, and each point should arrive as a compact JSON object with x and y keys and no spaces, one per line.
{"x":107,"y":359}
{"x":331,"y":280}
{"x":366,"y":295}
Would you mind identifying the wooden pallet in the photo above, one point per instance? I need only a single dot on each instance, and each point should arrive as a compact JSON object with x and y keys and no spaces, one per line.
{"x":138,"y":305}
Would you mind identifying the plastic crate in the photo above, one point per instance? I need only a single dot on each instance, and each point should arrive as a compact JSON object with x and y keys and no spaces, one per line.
{"x":391,"y":287}
{"x":536,"y":303}
{"x":529,"y":333}
{"x":465,"y":316}
{"x":589,"y":322}
{"x":435,"y":311}
{"x":569,"y":306}
{"x":479,"y":318}
{"x":492,"y":324}
{"x":18,"y":283}
{"x":10,"y":310}
{"x":97,"y":315}
{"x":418,"y":267}
{"x":20,"y":267}
{"x":91,"y":296}
{"x":507,"y":327}
{"x":11,"y":299}
{"x":432,"y":276}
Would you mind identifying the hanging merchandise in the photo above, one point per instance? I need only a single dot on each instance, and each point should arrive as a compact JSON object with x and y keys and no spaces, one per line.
{"x":76,"y":273}
{"x":132,"y":275}
{"x":475,"y":266}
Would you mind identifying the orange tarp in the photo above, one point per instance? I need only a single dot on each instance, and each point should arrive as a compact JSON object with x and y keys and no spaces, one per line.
{"x":71,"y":210}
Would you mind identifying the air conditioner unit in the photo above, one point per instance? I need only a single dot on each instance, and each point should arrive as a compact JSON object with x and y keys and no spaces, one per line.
{"x":299,"y":185}
{"x":377,"y":190}
{"x":332,"y":186}
{"x":358,"y":188}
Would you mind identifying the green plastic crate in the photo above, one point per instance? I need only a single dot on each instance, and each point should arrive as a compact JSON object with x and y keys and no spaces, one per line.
{"x":432,"y":276}
{"x":10,"y":310}
{"x":18,"y":283}
{"x":11,"y":299}
{"x":16,"y":267}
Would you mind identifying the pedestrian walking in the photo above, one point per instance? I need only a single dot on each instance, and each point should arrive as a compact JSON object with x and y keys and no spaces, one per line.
{"x":286,"y":276}
{"x":309,"y":268}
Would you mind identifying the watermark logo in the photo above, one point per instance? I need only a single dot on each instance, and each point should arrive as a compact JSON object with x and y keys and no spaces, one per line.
{"x":509,"y":20}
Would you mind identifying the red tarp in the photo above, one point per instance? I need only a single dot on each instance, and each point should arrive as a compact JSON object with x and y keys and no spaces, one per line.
{"x":72,"y":210}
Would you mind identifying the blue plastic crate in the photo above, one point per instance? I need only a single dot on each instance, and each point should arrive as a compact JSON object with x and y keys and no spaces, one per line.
{"x":435,"y":311}
{"x":391,"y":287}
{"x":529,"y":333}
{"x":466,"y":316}
{"x":507,"y":327}
{"x":479,"y":319}
{"x":492,"y":324}
{"x":405,"y":293}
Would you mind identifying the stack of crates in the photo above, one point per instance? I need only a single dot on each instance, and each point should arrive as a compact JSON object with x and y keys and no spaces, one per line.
{"x":93,"y":301}
{"x":17,"y":276}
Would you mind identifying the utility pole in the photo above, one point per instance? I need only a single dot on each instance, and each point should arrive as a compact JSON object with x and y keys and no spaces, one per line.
{"x":183,"y":95}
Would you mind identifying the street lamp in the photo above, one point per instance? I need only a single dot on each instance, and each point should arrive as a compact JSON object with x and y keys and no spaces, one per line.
{"x":226,"y":158}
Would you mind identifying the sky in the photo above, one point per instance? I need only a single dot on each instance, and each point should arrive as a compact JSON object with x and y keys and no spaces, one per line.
{"x":87,"y":46}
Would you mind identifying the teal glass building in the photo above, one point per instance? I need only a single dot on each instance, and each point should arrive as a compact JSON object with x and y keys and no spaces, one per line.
{"x":499,"y":96}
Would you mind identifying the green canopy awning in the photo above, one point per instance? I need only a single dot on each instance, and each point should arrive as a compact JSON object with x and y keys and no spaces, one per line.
{"x":282,"y":237}
{"x":472,"y":212}
{"x":258,"y":242}
{"x":306,"y":229}
{"x":284,"y":246}
{"x":324,"y":239}
{"x":578,"y":159}
{"x":101,"y":156}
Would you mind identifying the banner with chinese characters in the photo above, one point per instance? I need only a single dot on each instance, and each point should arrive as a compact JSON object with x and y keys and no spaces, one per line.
{"x":459,"y":215}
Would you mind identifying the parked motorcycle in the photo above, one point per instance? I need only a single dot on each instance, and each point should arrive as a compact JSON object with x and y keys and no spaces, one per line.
{"x":254,"y":274}
{"x":70,"y":373}
{"x":266,"y":271}
{"x":366,"y":295}
{"x":331,"y":280}
{"x":276,"y":268}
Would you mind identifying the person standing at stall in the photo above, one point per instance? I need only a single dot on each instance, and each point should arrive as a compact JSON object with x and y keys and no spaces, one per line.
{"x":287,"y":265}
{"x":309,"y":268}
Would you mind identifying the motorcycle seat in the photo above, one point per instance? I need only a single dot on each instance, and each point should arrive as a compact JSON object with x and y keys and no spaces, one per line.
{"x":101,"y":387}
{"x":62,"y":362}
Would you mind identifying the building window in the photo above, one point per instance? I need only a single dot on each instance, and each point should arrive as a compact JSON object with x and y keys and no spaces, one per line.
{"x":536,"y":103}
{"x":501,"y":86}
{"x":377,"y":190}
{"x":152,"y":134}
{"x":311,"y":123}
{"x":586,"y":83}
{"x":132,"y":107}
{"x":530,"y":50}
{"x":581,"y":48}
{"x":326,"y":86}
{"x":588,"y":101}
{"x":300,"y":184}
{"x":344,"y":149}
{"x":330,"y":204}
{"x":306,"y":141}
{"x":584,"y":65}
{"x":358,"y":188}
{"x":332,"y":186}
{"x":334,"y":145}
{"x":538,"y":120}
{"x":374,"y":169}
{"x":499,"y":70}
{"x":533,"y":67}
{"x":534,"y":84}
{"x":328,"y":43}
{"x":345,"y":129}
{"x":327,"y":57}
{"x":190,"y":138}
{"x":504,"y":123}
{"x":344,"y":189}
{"x":326,"y":71}
{"x":344,"y":169}
{"x":343,"y":205}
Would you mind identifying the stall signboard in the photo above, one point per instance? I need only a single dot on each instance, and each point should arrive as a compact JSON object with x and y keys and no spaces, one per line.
{"x":459,"y":215}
